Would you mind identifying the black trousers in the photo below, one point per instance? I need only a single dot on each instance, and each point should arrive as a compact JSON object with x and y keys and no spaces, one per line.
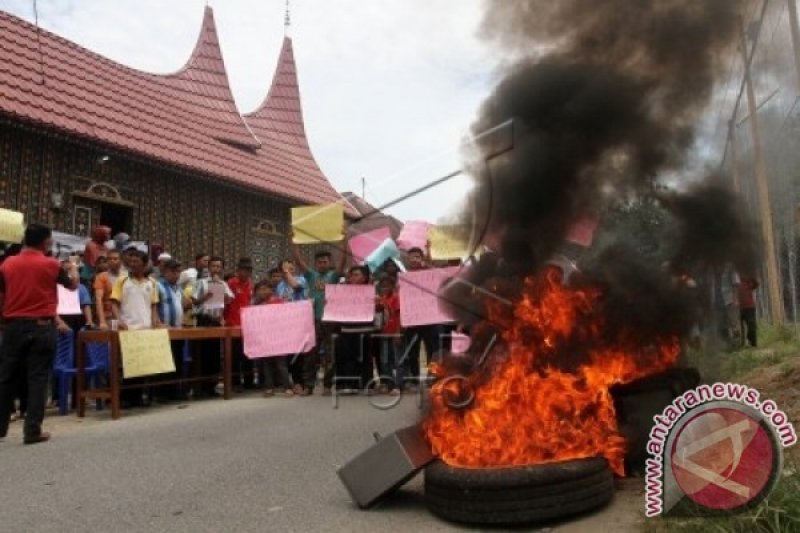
{"x":210,"y":356}
{"x":436,"y":338}
{"x":29,"y":344}
{"x":748,"y":319}
{"x":351,"y":350}
{"x":242,"y":365}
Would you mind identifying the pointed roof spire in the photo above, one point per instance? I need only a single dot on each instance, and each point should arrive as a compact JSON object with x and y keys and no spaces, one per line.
{"x":205,"y":71}
{"x":287,"y":21}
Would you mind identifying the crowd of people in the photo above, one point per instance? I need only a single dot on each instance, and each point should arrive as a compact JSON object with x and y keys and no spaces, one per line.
{"x":123,"y":288}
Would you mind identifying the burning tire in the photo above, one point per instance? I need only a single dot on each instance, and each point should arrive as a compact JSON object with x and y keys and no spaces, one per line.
{"x":516,"y":495}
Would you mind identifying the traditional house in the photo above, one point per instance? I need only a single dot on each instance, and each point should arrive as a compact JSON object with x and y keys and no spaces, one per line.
{"x":166,"y":158}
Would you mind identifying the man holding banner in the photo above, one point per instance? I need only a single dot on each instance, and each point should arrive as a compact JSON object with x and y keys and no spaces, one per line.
{"x":29,"y":300}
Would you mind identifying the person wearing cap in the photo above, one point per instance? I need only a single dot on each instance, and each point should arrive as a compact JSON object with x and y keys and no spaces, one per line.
{"x":29,"y":300}
{"x":241,"y":285}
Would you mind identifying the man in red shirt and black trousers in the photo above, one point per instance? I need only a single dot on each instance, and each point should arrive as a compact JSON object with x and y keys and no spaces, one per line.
{"x":242,"y":288}
{"x":29,"y":299}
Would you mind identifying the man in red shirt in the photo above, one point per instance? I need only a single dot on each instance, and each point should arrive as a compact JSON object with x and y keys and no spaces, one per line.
{"x":242,"y":288}
{"x":29,"y":299}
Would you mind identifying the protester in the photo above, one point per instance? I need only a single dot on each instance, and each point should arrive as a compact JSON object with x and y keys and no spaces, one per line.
{"x":274,"y":369}
{"x":96,"y":246}
{"x":134,"y":302}
{"x":275,"y":278}
{"x":29,"y":302}
{"x":322,"y":274}
{"x":171,"y":305}
{"x":351,"y":345}
{"x":103,"y":285}
{"x":389,"y":342}
{"x":729,"y":290}
{"x":210,"y":313}
{"x":747,"y":310}
{"x":198,"y":271}
{"x":432,"y":336}
{"x":241,"y":285}
{"x":293,"y":288}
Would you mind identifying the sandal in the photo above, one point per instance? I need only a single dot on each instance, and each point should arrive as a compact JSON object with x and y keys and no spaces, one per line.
{"x":269,"y":393}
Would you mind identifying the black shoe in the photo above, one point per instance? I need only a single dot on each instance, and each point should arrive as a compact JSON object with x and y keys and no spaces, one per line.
{"x":36,"y":439}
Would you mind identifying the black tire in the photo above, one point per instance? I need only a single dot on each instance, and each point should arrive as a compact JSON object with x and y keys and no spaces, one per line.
{"x":517,"y":495}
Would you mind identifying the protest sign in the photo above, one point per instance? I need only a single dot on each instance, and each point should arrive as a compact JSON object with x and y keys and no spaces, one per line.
{"x":68,"y":301}
{"x":281,"y":329}
{"x":419,"y":300}
{"x":318,"y":223}
{"x":12,"y":228}
{"x":413,"y":235}
{"x":217,"y":291}
{"x":449,"y":242}
{"x":349,"y":303}
{"x":459,"y":343}
{"x":387,"y":250}
{"x":145,"y":352}
{"x":364,"y":244}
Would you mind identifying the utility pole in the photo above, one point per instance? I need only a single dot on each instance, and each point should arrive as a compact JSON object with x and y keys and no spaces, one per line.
{"x":737,"y":180}
{"x":795,"y":36}
{"x":762,"y":182}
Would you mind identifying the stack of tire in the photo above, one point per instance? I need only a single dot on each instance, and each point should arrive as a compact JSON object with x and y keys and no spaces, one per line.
{"x":518,"y":495}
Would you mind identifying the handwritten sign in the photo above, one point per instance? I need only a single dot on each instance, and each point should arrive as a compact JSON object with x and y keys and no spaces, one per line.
{"x":582,"y":231}
{"x":459,"y":343}
{"x":68,"y":302}
{"x":449,"y":242}
{"x":145,"y":352}
{"x":413,"y":235}
{"x":285,"y":329}
{"x":387,"y":250}
{"x":349,"y":303}
{"x":318,"y":223}
{"x":419,"y":301}
{"x":217,"y":292}
{"x":12,"y":228}
{"x":365,"y":243}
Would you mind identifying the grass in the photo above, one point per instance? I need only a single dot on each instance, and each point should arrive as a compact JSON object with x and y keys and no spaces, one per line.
{"x":780,"y":511}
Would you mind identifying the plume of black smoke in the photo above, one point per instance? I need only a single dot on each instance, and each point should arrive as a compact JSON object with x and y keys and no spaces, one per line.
{"x":608,"y":107}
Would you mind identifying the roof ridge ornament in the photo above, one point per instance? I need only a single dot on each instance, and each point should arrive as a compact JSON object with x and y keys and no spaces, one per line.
{"x":287,"y":20}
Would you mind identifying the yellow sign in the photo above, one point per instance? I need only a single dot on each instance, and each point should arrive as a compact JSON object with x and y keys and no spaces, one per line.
{"x":145,"y":352}
{"x":318,"y":223}
{"x":449,"y":242}
{"x":12,"y":228}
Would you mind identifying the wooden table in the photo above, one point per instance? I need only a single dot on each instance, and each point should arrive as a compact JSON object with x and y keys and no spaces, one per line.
{"x":112,"y":393}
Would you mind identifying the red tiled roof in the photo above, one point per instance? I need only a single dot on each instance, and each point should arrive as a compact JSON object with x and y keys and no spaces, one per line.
{"x":187,"y":119}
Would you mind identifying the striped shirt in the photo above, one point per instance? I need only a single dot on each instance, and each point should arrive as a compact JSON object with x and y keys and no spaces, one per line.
{"x":170,"y":304}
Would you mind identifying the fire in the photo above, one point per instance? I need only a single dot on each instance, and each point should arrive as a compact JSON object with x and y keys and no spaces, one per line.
{"x":543,"y":395}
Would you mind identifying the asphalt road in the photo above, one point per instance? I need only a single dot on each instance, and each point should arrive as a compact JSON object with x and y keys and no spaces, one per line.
{"x":248,"y":464}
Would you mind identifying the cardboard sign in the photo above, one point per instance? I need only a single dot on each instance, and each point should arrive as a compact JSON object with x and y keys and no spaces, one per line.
{"x":582,"y":231}
{"x":217,"y":292}
{"x":145,"y":352}
{"x":279,"y":329}
{"x":419,"y":300}
{"x":12,"y":228}
{"x":318,"y":223}
{"x":349,"y":303}
{"x":387,"y":250}
{"x":413,"y":235}
{"x":69,"y":302}
{"x":364,"y":244}
{"x":449,"y":242}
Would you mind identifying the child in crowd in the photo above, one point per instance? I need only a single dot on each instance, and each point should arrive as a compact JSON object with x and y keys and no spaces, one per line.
{"x":274,"y":369}
{"x":103,"y":285}
{"x":389,"y":341}
{"x":293,"y":288}
{"x":351,"y":347}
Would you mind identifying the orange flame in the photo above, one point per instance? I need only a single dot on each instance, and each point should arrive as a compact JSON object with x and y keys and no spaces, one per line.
{"x":545,"y":394}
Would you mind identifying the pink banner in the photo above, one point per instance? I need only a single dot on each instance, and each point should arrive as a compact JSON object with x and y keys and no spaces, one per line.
{"x":349,"y":303}
{"x":419,"y":302}
{"x":582,"y":231}
{"x":68,"y":302}
{"x":413,"y":235}
{"x":278,"y":329}
{"x":364,"y":244}
{"x":460,"y":343}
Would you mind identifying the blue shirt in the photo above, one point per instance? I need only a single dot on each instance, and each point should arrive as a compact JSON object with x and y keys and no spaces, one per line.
{"x":287,"y":293}
{"x":170,"y":304}
{"x":84,"y":296}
